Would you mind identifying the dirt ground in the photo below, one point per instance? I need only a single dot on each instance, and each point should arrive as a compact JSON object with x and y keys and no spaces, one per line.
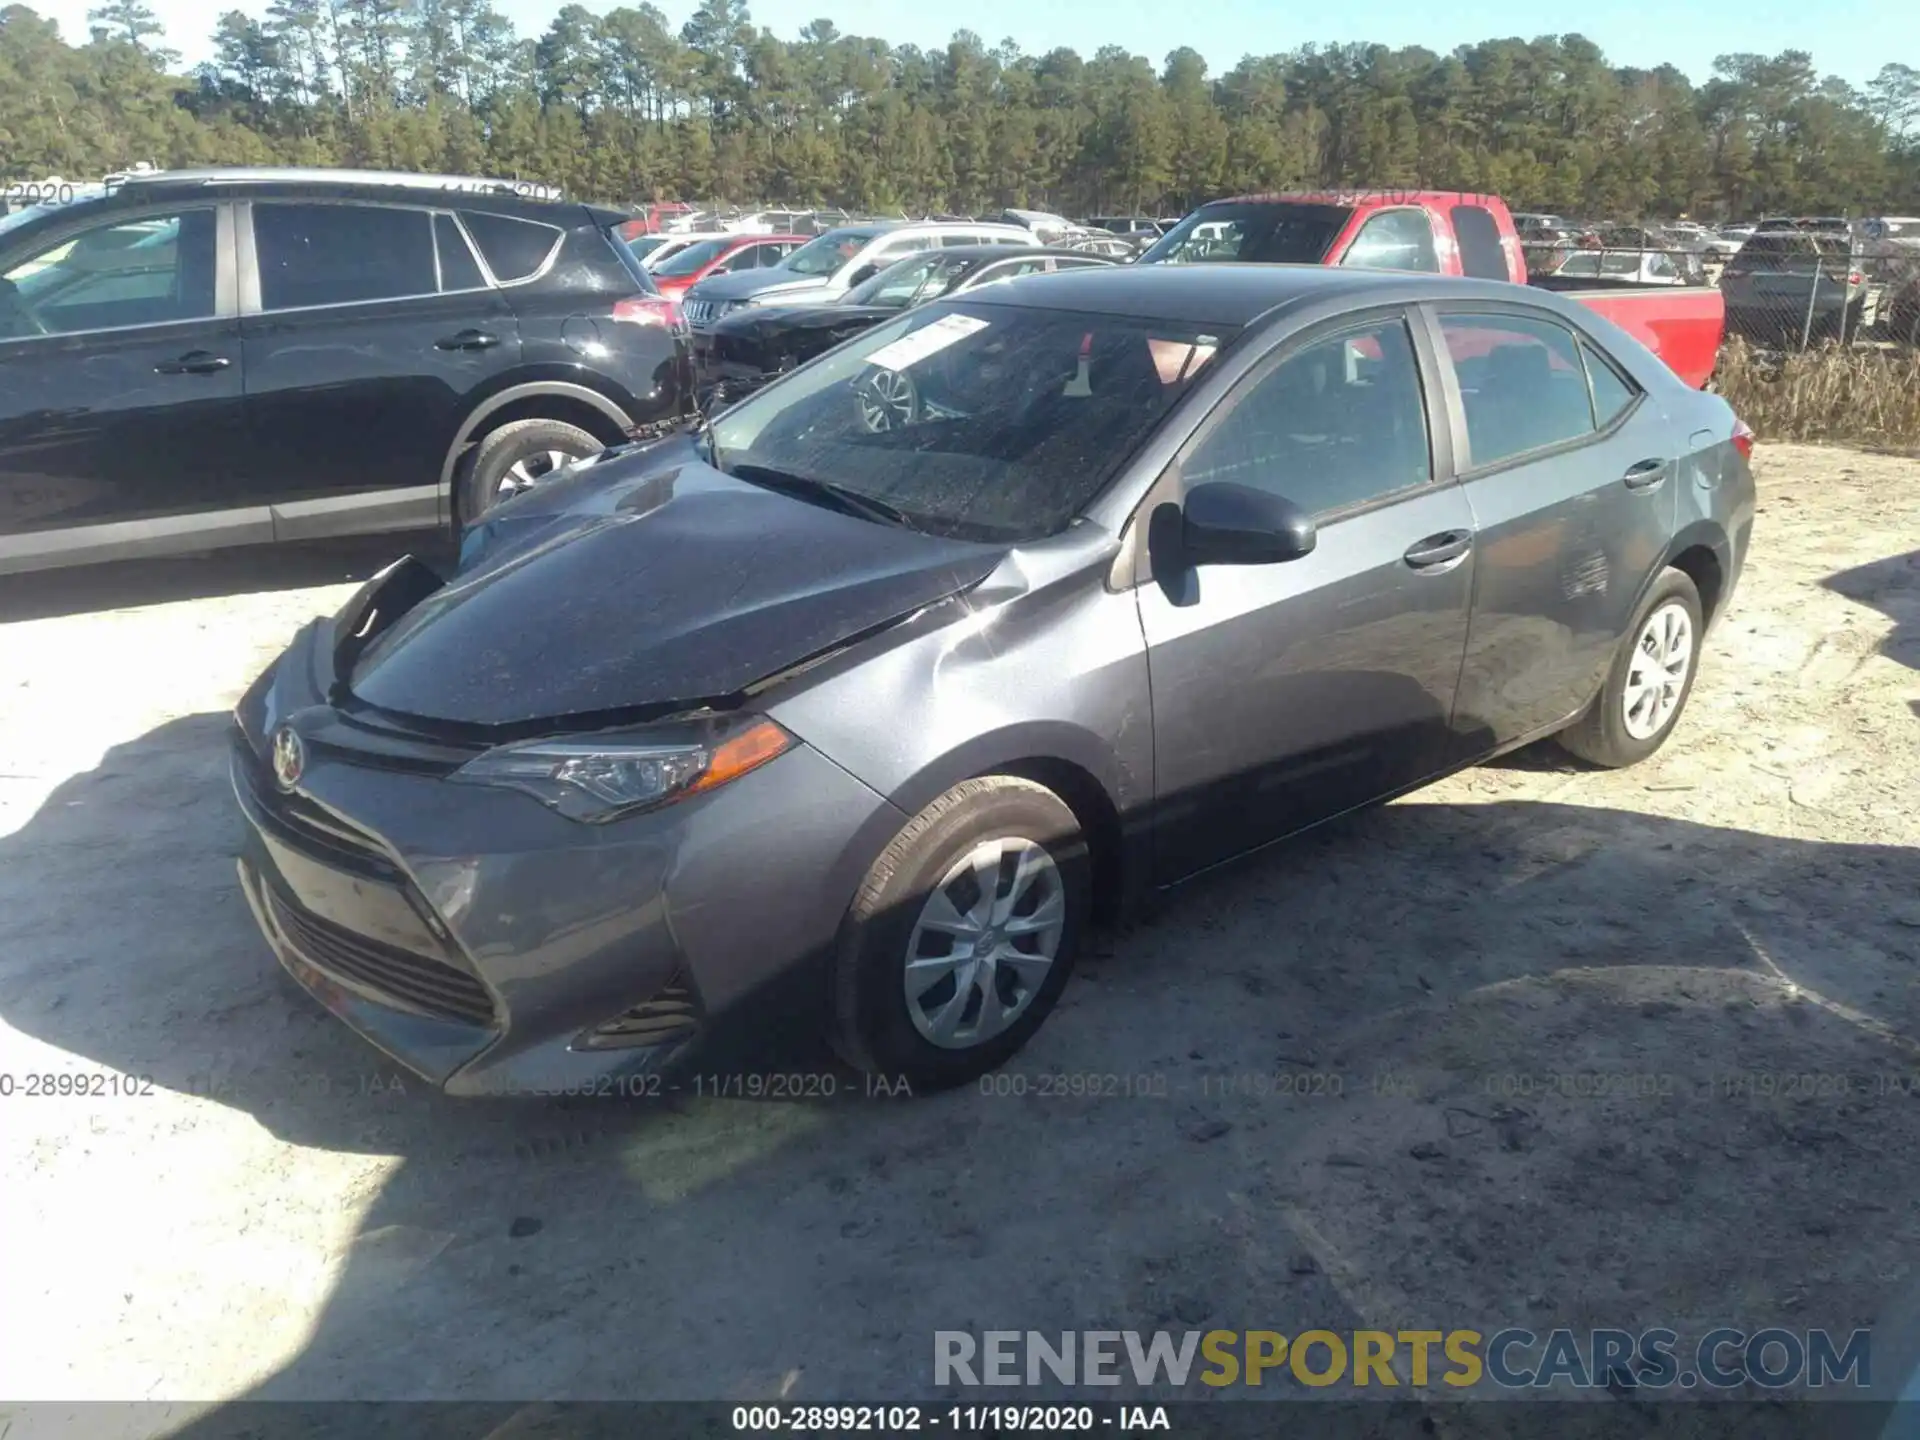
{"x":1538,"y":1046}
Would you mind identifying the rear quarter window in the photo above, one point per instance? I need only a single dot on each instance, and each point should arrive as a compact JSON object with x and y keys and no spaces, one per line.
{"x":1481,"y":256}
{"x":513,"y":249}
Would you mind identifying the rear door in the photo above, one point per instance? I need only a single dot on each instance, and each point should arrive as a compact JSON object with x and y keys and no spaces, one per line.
{"x":367,"y":327}
{"x":1569,"y":468}
{"x":120,"y":384}
{"x":1287,"y":693}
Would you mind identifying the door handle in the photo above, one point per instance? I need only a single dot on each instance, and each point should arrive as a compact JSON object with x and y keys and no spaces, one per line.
{"x":1645,"y":475}
{"x":194,"y":362}
{"x":467,"y":340}
{"x":1437,"y":552}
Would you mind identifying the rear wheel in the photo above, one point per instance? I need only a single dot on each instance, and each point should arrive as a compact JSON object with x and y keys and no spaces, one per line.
{"x":514,"y":458}
{"x":1649,"y":683}
{"x":963,"y":934}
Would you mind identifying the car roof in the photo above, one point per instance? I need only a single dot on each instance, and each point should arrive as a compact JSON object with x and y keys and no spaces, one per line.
{"x":1239,"y":294}
{"x":466,"y":192}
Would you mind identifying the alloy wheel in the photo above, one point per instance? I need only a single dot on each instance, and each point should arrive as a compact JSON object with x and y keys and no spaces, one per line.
{"x":525,"y":472}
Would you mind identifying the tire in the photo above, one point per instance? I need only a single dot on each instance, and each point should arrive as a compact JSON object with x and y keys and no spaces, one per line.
{"x":1607,"y":734}
{"x":490,"y":475}
{"x":874,"y":1026}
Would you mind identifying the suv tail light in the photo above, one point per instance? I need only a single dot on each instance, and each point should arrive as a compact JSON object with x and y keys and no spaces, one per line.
{"x":661,"y":310}
{"x":1742,"y":438}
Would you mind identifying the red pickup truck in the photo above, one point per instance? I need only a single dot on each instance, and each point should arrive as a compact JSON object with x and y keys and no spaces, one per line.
{"x":1445,"y":232}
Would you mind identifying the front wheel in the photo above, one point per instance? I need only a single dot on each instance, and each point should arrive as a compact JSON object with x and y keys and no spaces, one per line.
{"x":962,"y":935}
{"x":1649,"y":683}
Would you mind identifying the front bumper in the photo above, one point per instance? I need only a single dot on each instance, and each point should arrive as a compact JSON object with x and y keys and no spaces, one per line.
{"x":495,"y":947}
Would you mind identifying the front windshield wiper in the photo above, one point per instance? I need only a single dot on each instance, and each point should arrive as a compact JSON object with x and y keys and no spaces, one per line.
{"x":807,"y":487}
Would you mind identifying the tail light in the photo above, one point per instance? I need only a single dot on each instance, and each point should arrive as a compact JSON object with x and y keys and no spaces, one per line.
{"x":661,"y":310}
{"x":1742,"y":438}
{"x":1856,"y":278}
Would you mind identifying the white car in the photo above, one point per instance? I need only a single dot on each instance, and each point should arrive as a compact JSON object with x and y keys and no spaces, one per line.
{"x":1640,"y":267}
{"x":829,"y":265}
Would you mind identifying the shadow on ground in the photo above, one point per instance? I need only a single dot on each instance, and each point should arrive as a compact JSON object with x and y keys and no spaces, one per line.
{"x":1891,"y":586}
{"x":1333,"y":1099}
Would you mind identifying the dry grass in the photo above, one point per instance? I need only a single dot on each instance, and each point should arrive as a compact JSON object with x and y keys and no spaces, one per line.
{"x":1859,"y":396}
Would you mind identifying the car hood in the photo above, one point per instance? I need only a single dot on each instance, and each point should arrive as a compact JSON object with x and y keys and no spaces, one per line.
{"x":768,"y":320}
{"x":648,"y":581}
{"x":744,"y":284}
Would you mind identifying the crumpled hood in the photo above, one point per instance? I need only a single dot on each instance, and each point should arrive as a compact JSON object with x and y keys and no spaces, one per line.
{"x":646,"y":580}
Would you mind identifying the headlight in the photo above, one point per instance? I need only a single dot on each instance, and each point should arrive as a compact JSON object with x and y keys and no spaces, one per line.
{"x":601,"y":777}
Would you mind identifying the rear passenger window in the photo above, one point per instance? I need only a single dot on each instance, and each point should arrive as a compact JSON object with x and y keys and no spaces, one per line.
{"x":514,"y":249}
{"x":458,"y":269}
{"x":336,"y":254}
{"x":1611,"y":391}
{"x":1521,"y":384}
{"x":1480,"y":254}
{"x":1334,"y":425}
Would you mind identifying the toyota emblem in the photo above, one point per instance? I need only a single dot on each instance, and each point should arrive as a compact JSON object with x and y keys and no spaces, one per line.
{"x":289,"y":757}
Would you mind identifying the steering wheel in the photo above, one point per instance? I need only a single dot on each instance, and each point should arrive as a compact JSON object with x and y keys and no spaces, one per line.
{"x":888,"y":400}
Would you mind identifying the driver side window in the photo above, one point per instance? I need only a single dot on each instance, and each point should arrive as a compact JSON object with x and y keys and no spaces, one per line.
{"x":145,"y":271}
{"x":1395,"y":240}
{"x":1339,"y":423}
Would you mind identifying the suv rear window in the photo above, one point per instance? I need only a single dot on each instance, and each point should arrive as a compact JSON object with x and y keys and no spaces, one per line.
{"x":1791,"y":250}
{"x":513,"y":249}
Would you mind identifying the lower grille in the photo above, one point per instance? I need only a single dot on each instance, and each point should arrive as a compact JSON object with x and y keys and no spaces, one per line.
{"x":670,"y":1016}
{"x":412,"y":982}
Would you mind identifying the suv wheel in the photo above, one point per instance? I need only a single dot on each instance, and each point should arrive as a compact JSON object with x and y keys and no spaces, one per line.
{"x":515,"y":457}
{"x":962,"y":936}
{"x":1647,"y":687}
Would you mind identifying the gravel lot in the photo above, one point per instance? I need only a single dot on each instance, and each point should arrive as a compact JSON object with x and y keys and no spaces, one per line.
{"x":283,"y":1217}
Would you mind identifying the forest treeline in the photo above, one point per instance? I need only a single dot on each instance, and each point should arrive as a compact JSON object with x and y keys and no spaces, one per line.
{"x":626,"y":107}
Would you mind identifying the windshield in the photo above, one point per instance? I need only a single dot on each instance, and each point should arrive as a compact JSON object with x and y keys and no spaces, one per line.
{"x":825,"y":255}
{"x":917,"y":278}
{"x":1267,"y":232}
{"x":693,"y":258}
{"x":987,"y":422}
{"x":644,"y":245}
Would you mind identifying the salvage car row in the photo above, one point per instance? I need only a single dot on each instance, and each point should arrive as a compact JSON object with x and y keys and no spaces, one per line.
{"x":868,"y":696}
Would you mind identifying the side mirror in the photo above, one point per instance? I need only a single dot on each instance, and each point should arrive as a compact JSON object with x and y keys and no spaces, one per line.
{"x":862,"y":275}
{"x":1228,"y":524}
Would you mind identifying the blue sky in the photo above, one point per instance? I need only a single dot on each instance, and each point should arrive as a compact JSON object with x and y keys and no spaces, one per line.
{"x":1851,"y":38}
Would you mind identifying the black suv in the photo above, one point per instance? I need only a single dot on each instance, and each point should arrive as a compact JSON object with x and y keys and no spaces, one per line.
{"x":192,"y":359}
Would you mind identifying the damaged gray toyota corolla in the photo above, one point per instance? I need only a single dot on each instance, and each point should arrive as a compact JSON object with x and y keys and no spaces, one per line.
{"x":869,"y":699}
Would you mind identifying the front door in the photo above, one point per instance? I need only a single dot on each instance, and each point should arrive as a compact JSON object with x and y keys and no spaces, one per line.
{"x":1287,"y":693}
{"x":120,"y":386}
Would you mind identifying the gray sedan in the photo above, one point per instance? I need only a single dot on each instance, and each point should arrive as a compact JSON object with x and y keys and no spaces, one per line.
{"x":872,"y":697}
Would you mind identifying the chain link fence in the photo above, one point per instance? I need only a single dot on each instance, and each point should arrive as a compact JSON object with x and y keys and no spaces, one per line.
{"x":1788,"y":285}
